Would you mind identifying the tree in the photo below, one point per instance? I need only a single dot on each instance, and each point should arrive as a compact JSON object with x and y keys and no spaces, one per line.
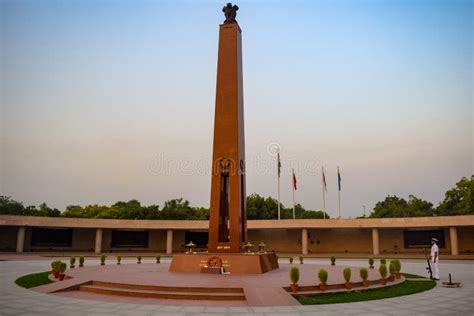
{"x":44,"y":210}
{"x":311,"y":214}
{"x":177,"y":209}
{"x":259,"y":207}
{"x":152,"y":211}
{"x":418,"y":207}
{"x":458,"y":200}
{"x":126,"y":210}
{"x":392,"y":206}
{"x":10,"y":207}
{"x":202,"y":213}
{"x":89,"y":211}
{"x":73,"y":211}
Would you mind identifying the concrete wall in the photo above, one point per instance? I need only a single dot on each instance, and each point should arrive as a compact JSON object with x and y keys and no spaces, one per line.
{"x":83,"y":239}
{"x":351,"y":240}
{"x":280,"y":240}
{"x":178,"y":240}
{"x":336,"y":240}
{"x":319,"y":241}
{"x":340,"y":241}
{"x":420,"y":222}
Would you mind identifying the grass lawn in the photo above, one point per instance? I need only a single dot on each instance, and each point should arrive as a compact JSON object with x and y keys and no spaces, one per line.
{"x":32,"y":280}
{"x":405,"y":288}
{"x":413,"y":276}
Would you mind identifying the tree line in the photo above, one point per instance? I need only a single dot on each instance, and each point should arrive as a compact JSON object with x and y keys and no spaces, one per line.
{"x":258,"y":207}
{"x":457,"y":201}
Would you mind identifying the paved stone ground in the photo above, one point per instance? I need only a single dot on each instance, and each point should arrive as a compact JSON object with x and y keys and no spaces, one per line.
{"x":438,"y":301}
{"x":260,"y":289}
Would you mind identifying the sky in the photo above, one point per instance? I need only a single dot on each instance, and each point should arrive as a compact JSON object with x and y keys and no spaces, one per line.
{"x":107,"y":100}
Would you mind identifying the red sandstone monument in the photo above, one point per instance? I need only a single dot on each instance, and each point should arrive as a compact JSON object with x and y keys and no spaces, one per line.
{"x":228,"y":218}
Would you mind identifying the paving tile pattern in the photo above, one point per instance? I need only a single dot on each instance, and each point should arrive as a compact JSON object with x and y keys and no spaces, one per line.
{"x":438,"y":301}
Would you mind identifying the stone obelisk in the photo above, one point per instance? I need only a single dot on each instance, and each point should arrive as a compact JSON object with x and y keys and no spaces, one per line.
{"x":227,"y":219}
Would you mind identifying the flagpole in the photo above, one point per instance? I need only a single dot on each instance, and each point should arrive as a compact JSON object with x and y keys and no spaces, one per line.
{"x":293,"y":203}
{"x":338,"y":192}
{"x":278,"y":162}
{"x":324,"y":196}
{"x":278,"y":197}
{"x":293,"y":185}
{"x":339,"y":201}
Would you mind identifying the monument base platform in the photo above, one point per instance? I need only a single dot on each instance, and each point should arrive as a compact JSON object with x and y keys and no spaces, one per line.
{"x":234,"y":263}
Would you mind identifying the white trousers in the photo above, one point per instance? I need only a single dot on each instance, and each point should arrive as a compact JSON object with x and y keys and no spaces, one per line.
{"x":434,"y":267}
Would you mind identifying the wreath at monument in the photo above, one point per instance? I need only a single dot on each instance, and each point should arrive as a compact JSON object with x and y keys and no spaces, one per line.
{"x":214,"y":262}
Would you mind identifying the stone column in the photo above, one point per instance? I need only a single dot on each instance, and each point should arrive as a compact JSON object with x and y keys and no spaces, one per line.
{"x":228,"y":152}
{"x":453,"y":234}
{"x":98,"y":240}
{"x":304,"y":241}
{"x":375,"y":241}
{"x":20,"y":239}
{"x":169,"y":241}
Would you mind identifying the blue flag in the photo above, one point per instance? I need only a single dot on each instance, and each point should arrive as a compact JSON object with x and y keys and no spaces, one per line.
{"x":339,"y":179}
{"x":279,"y":165}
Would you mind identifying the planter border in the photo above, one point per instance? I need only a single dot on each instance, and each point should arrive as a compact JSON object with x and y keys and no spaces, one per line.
{"x":310,"y":290}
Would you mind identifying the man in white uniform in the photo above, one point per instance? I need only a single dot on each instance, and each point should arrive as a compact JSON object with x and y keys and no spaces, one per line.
{"x":435,"y":258}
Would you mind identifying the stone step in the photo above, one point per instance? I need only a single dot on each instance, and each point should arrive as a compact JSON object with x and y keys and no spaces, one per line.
{"x":160,"y":288}
{"x":180,"y":295}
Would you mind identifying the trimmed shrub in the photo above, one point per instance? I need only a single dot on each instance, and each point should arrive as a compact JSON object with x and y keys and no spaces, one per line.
{"x":102,"y":259}
{"x":323,"y":276}
{"x":398,"y":265}
{"x":333,"y":260}
{"x":62,"y":267}
{"x":72,"y":262}
{"x":291,"y":260}
{"x":158,"y":258}
{"x":391,"y":267}
{"x":364,"y":274}
{"x":119,"y":259}
{"x":54,"y":266}
{"x":294,"y":275}
{"x":81,"y":261}
{"x":347,"y":274}
{"x":139,"y":259}
{"x":371,"y":262}
{"x":383,"y":261}
{"x":383,"y":271}
{"x":301,"y":259}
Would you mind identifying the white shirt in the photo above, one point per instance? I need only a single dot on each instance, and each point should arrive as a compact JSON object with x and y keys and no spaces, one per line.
{"x":434,"y":249}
